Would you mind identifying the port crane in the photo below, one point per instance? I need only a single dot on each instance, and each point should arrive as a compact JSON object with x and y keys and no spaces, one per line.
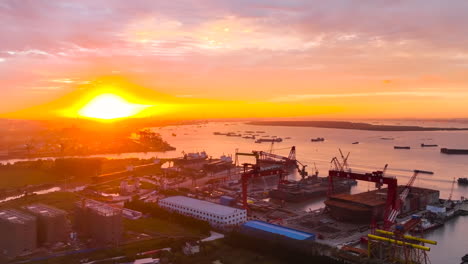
{"x":302,"y":171}
{"x":449,"y":200}
{"x":254,"y":171}
{"x":341,"y":166}
{"x":264,"y":156}
{"x":391,"y":213}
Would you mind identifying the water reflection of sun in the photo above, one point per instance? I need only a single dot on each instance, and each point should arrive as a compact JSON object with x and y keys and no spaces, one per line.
{"x":109,"y":106}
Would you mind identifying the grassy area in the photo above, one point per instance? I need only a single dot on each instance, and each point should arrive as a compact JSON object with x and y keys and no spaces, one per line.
{"x":61,"y":200}
{"x":211,"y":251}
{"x":19,"y":177}
{"x":160,"y":226}
{"x":129,"y":250}
{"x":218,"y":250}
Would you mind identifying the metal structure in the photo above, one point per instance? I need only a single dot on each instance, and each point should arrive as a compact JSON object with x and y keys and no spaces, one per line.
{"x":392,"y":212}
{"x":393,"y":204}
{"x":376,"y":176}
{"x":451,"y":190}
{"x":394,"y":247}
{"x":253,"y":171}
{"x":268,"y":157}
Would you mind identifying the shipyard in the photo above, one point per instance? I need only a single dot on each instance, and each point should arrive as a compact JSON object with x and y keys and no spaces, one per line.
{"x":255,"y":193}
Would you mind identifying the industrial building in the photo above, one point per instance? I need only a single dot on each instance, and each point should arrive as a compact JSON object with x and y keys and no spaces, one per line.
{"x":268,"y":230}
{"x":52,"y":224}
{"x":217,"y":215}
{"x":362,"y":207}
{"x":99,"y":221}
{"x":18,"y":233}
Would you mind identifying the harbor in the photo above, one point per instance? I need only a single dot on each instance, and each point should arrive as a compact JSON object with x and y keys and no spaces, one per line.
{"x":326,"y":190}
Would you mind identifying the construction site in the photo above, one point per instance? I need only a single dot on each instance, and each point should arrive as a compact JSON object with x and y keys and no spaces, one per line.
{"x":257,"y":198}
{"x":374,"y":224}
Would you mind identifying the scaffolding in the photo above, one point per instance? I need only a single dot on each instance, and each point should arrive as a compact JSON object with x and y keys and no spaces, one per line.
{"x":392,"y":247}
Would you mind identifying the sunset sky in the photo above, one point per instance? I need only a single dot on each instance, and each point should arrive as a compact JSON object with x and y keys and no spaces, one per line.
{"x":260,"y":58}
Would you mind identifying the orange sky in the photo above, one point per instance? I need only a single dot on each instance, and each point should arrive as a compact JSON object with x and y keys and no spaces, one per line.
{"x":211,"y":59}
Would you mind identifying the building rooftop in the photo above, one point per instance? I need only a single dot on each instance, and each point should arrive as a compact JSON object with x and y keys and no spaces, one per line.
{"x":44,"y":210}
{"x":376,"y":197}
{"x":99,"y":207}
{"x":280,"y":230}
{"x":15,"y":216}
{"x":202,"y":205}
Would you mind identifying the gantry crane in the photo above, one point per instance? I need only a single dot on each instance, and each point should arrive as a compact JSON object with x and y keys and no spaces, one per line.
{"x":254,"y":171}
{"x":264,"y":156}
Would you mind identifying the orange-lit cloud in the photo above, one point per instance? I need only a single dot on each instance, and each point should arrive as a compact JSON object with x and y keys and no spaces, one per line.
{"x":340,"y":56}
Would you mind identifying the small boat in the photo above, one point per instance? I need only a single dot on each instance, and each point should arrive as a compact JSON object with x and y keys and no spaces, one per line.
{"x":219,"y":134}
{"x":426,"y":225}
{"x":402,"y":147}
{"x":387,"y":138}
{"x":319,"y":139}
{"x":424,"y":171}
{"x":174,"y":134}
{"x":355,"y":143}
{"x":428,"y":145}
{"x":463,"y":181}
{"x":259,"y":131}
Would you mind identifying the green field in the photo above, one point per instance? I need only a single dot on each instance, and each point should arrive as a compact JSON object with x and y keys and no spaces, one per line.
{"x":155,"y":226}
{"x":19,"y":177}
{"x":61,"y":200}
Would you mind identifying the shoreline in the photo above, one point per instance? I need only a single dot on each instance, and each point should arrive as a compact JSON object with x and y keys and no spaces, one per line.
{"x":352,"y":125}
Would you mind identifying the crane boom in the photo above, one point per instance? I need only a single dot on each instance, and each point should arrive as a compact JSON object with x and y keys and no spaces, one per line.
{"x":392,"y":213}
{"x":451,"y":190}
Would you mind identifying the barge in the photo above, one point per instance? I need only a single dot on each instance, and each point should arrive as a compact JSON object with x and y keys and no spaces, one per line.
{"x":454,"y":151}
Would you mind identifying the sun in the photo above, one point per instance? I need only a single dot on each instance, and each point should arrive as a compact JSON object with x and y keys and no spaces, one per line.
{"x":110,"y":106}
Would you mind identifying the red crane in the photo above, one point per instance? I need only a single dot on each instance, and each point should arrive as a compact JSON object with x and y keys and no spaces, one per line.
{"x":256,"y":172}
{"x":391,"y":213}
{"x":376,"y":176}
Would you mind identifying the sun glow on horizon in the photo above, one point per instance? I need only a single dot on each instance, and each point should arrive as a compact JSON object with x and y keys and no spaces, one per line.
{"x":110,"y":106}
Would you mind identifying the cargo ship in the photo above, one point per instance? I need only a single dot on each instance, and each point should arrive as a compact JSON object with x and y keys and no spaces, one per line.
{"x":268,"y":140}
{"x":402,"y":147}
{"x":424,"y":171}
{"x":454,"y":151}
{"x":428,"y":145}
{"x":427,"y":225}
{"x":308,"y":188}
{"x":319,"y":139}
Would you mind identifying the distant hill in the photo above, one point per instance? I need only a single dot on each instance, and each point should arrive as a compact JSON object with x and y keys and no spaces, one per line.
{"x":351,"y":125}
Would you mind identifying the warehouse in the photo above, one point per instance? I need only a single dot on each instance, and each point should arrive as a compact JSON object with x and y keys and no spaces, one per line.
{"x":52,"y":223}
{"x":267,"y":230}
{"x":217,"y":215}
{"x":101,"y":222}
{"x":18,"y":233}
